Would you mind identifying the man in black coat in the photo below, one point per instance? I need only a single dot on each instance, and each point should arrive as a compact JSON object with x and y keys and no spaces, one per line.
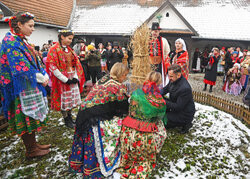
{"x":179,"y":100}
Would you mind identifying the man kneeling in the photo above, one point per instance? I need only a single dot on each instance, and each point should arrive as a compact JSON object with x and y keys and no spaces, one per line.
{"x":179,"y":100}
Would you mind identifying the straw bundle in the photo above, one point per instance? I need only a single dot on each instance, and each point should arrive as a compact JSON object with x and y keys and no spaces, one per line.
{"x":140,"y":47}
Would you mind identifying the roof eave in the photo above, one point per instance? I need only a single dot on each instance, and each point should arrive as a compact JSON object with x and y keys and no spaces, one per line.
{"x":209,"y":38}
{"x":167,"y":2}
{"x":72,"y":14}
{"x":108,"y":34}
{"x":176,"y":31}
{"x":39,"y":23}
{"x":50,"y":25}
{"x":6,"y":10}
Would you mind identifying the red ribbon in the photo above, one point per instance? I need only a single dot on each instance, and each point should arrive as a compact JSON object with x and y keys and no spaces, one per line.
{"x":11,"y":29}
{"x":211,"y":61}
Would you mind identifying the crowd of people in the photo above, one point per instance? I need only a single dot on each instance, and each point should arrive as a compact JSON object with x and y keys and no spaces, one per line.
{"x":116,"y":133}
{"x":231,"y":63}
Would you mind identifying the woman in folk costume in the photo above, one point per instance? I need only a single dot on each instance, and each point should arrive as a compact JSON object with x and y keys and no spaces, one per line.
{"x":66,"y":75}
{"x":180,"y":57}
{"x":143,"y":132}
{"x":244,"y":68}
{"x":221,"y":63}
{"x":211,"y":69}
{"x":22,"y":84}
{"x":102,"y":51}
{"x":158,"y":51}
{"x":95,"y":149}
{"x":233,"y":85}
{"x":235,"y":58}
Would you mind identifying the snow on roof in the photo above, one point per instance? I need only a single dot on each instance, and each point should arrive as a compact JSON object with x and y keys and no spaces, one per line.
{"x":218,"y":20}
{"x":113,"y":20}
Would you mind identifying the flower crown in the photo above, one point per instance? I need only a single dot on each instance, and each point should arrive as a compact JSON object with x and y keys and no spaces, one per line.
{"x":65,"y":31}
{"x":26,"y":14}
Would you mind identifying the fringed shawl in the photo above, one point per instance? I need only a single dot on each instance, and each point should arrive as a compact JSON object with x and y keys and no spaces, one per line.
{"x":17,"y":69}
{"x":56,"y":58}
{"x":147,"y":106}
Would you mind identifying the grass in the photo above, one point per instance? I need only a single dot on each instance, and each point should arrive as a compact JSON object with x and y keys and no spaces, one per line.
{"x":182,"y":155}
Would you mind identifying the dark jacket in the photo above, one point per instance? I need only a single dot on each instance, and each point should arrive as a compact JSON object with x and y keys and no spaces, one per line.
{"x":93,"y":58}
{"x":211,"y":74}
{"x":180,"y":105}
{"x":228,"y":62}
{"x":197,"y":54}
{"x":115,"y":57}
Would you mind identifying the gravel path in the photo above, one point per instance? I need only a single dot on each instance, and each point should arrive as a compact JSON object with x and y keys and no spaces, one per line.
{"x":196,"y":81}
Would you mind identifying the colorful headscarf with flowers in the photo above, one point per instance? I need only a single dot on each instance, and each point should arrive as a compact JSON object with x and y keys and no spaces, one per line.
{"x":151,"y":104}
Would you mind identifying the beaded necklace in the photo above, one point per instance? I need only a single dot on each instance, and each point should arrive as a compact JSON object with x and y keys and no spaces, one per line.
{"x":156,"y":44}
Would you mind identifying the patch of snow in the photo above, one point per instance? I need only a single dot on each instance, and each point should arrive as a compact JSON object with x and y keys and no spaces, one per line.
{"x":218,"y":21}
{"x":61,"y":122}
{"x":228,"y":135}
{"x":181,"y":164}
{"x":115,"y":19}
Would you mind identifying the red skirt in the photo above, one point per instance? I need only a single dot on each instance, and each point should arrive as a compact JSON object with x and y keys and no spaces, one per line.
{"x":212,"y":83}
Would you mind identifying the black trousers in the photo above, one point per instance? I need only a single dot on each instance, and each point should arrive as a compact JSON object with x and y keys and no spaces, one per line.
{"x":95,"y":72}
{"x":175,"y":121}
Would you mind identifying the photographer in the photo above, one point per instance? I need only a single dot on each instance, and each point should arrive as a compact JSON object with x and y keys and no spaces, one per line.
{"x":93,"y":57}
{"x":115,"y":55}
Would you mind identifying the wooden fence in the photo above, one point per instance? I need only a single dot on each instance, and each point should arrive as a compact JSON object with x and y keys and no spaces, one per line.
{"x":237,"y":110}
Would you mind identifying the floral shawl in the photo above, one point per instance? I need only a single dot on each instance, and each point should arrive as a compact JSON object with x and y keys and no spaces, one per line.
{"x":106,"y":99}
{"x":56,"y":58}
{"x":17,"y":69}
{"x":182,"y":60}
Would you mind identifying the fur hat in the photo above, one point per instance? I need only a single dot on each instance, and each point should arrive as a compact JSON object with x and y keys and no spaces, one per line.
{"x":155,"y":26}
{"x":91,"y":47}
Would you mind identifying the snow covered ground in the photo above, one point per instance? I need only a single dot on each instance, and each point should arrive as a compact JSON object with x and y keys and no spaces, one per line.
{"x":217,"y":146}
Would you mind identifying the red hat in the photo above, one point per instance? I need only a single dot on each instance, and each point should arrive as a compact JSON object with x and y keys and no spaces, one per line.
{"x":245,"y":50}
{"x":223,"y":48}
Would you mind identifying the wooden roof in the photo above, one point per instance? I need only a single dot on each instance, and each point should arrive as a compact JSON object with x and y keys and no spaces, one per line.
{"x":110,"y":2}
{"x":52,"y":12}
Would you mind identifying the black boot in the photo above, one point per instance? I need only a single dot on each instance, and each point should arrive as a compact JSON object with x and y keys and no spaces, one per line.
{"x":205,"y":87}
{"x":68,"y":122}
{"x":186,"y":128}
{"x":210,"y":90}
{"x":70,"y":117}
